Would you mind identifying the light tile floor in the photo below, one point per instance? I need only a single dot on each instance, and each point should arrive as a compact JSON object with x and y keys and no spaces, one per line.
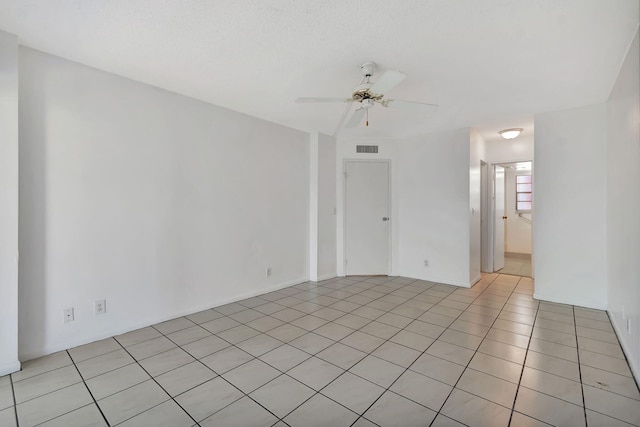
{"x":517,"y":266}
{"x":360,"y":352}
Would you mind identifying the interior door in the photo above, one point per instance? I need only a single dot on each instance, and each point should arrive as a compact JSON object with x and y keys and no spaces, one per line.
{"x":499,"y":218}
{"x":367,"y":218}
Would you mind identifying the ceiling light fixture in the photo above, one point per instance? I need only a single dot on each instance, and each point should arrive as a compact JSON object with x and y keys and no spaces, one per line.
{"x":510,"y":133}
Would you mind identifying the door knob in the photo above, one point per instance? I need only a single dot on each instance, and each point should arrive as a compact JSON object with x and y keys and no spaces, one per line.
{"x":504,"y":217}
{"x":385,"y":218}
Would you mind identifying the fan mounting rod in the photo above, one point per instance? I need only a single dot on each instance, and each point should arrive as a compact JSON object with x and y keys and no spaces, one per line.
{"x":368,"y":68}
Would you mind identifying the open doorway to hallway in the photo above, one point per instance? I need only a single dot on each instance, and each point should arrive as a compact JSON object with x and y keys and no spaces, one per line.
{"x":516,"y":219}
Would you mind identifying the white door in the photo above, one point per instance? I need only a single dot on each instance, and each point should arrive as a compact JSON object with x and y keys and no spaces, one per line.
{"x":367,"y":218}
{"x":499,"y":218}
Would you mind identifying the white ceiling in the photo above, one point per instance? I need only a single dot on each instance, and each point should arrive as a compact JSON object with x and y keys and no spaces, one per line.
{"x":490,"y":64}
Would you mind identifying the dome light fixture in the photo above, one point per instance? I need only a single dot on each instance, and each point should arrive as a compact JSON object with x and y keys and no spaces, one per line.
{"x":510,"y":133}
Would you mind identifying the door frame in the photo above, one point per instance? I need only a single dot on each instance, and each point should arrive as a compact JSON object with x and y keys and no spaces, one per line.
{"x":344,"y":210}
{"x":495,"y":217}
{"x":490,"y":224}
{"x":486,"y":240}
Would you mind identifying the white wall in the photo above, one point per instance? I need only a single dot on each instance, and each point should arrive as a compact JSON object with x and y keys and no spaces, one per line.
{"x":9,"y":203}
{"x":434,"y":207}
{"x":430,"y":203}
{"x":623,"y":205}
{"x":569,"y":239}
{"x":159,"y":203}
{"x":326,"y":207}
{"x":477,"y":153}
{"x":506,"y":151}
{"x":517,"y":231}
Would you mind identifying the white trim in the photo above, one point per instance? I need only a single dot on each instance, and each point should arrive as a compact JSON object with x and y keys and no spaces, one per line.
{"x":439,"y":281}
{"x":327,"y":277}
{"x":475,"y":280}
{"x":74,"y":343}
{"x":598,"y":305}
{"x":9,"y":368}
{"x":494,"y":218}
{"x":313,"y":206}
{"x":485,"y":216}
{"x":344,"y":211}
{"x":635,"y":369}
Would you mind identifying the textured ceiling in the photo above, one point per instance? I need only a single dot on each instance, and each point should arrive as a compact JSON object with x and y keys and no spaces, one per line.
{"x":490,"y":64}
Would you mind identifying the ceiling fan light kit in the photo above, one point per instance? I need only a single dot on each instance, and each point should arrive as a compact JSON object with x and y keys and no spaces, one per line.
{"x":510,"y":133}
{"x":366,"y":94}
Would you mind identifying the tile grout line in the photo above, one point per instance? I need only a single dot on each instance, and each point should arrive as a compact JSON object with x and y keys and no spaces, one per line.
{"x":476,"y":350}
{"x":582,"y":385}
{"x":254,"y":357}
{"x":560,"y":376}
{"x":89,"y":390}
{"x":367,"y":354}
{"x":388,"y":388}
{"x":338,"y":341}
{"x":257,"y":357}
{"x":524,"y":364}
{"x":57,"y":390}
{"x":332,"y":289}
{"x":635,"y":380}
{"x":420,"y":355}
{"x":15,"y":403}
{"x":221,"y":316}
{"x":345,"y":313}
{"x":158,"y":384}
{"x":575,"y":329}
{"x":218,"y":375}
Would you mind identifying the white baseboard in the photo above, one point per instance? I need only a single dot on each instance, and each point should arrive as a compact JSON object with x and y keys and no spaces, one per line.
{"x":9,"y":368}
{"x":475,"y":280}
{"x":327,"y":277}
{"x":635,"y":369}
{"x":598,"y":305}
{"x":114,"y":332}
{"x":439,"y":280}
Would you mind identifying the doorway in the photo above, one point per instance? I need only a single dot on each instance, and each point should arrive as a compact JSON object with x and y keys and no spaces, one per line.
{"x":511,"y":219}
{"x":366,"y":217}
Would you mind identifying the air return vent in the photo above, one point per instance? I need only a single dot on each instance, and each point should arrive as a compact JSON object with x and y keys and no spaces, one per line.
{"x":366,"y":148}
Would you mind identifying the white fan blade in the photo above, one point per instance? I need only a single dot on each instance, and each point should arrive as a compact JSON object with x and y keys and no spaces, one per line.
{"x":304,"y":100}
{"x":410,"y":105}
{"x":342,"y":119}
{"x":387,"y":81}
{"x":356,"y":118}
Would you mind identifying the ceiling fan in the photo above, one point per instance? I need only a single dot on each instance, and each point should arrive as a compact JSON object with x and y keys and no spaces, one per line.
{"x":367,"y":93}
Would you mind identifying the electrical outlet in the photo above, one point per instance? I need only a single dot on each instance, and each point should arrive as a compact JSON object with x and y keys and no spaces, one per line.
{"x":426,"y":263}
{"x":99,"y":307}
{"x":268,"y":272}
{"x":68,"y":315}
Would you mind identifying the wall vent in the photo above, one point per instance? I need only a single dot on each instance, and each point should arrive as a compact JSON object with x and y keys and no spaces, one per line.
{"x":366,"y":148}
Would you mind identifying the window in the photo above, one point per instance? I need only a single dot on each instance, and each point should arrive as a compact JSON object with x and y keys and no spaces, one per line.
{"x":523,"y":193}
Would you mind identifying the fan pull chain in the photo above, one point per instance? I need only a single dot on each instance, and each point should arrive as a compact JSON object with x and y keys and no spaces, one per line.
{"x":367,"y":122}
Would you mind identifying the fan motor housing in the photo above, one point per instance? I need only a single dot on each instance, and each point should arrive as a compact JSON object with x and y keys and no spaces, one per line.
{"x":368,"y":68}
{"x":361,"y":92}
